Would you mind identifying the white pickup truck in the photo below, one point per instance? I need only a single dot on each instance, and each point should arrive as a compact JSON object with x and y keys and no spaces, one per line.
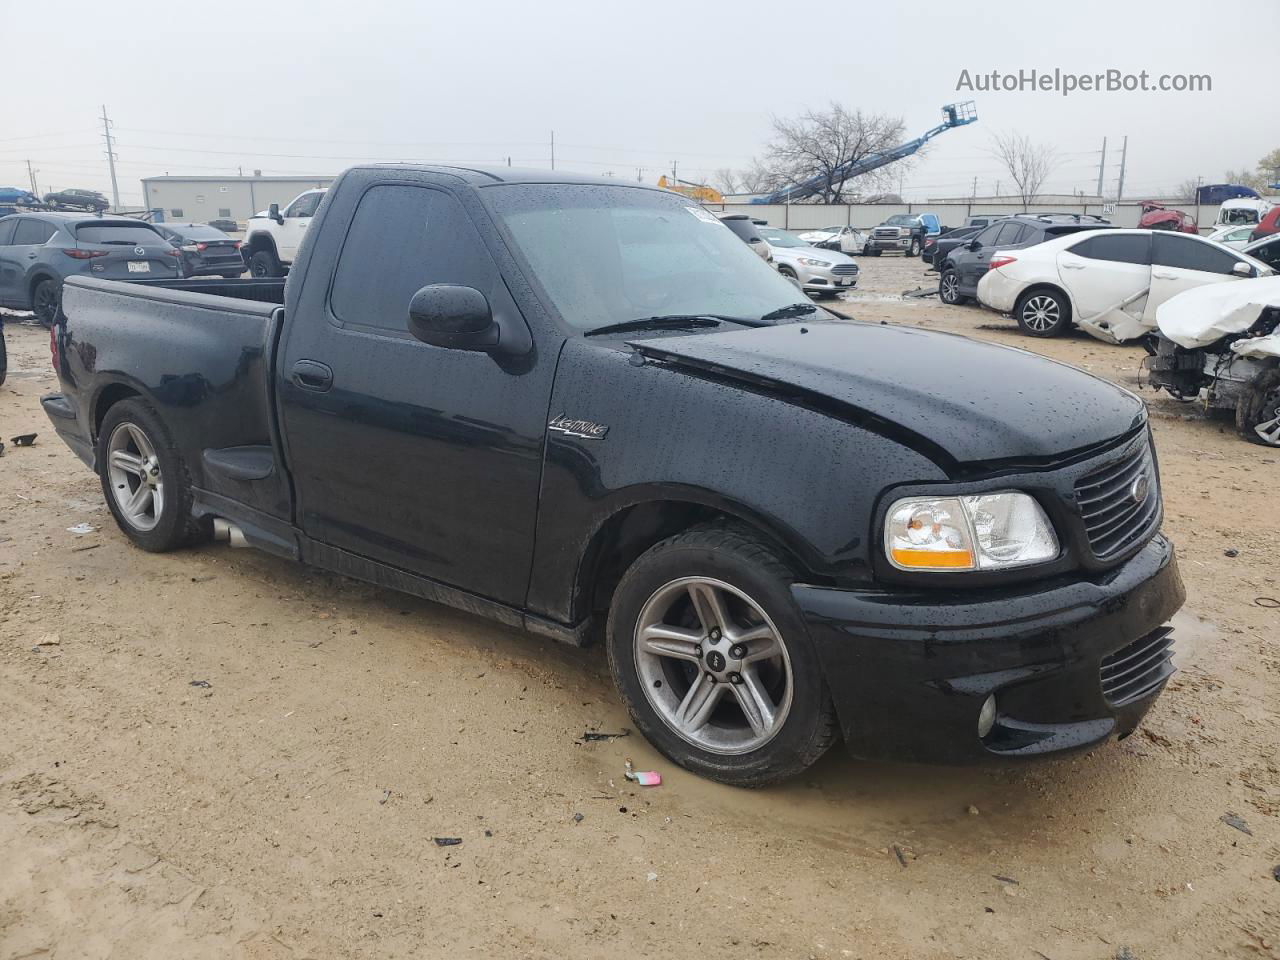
{"x":271,"y":238}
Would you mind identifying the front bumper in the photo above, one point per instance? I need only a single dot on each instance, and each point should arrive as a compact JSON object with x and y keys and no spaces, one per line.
{"x":891,"y":243}
{"x":909,"y":670}
{"x":825,"y":279}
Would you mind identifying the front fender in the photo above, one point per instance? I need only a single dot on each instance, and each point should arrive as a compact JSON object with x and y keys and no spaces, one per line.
{"x":806,"y":479}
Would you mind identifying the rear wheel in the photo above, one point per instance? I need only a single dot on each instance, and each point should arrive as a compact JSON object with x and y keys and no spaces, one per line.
{"x":144,"y":478}
{"x":4,"y":356}
{"x":714,"y":661}
{"x":1258,"y":409}
{"x":1043,"y":313}
{"x":46,"y":301}
{"x":265,"y":264}
{"x":949,"y":287}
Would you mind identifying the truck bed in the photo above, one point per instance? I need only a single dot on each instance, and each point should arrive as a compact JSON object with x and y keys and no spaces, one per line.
{"x":202,"y":351}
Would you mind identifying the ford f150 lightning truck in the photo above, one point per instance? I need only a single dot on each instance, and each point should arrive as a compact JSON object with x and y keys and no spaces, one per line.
{"x":588,"y":410}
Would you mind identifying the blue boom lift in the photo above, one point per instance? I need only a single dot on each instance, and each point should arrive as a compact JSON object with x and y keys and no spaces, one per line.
{"x":955,"y":115}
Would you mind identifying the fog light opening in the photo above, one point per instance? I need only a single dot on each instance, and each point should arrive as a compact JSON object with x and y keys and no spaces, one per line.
{"x":987,"y":717}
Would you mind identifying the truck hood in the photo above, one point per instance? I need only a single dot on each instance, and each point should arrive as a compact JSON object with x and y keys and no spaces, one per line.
{"x":1203,"y":315}
{"x":955,"y":400}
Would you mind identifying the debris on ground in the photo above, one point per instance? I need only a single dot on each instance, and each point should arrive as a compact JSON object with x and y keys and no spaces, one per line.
{"x":80,"y":528}
{"x":1275,"y":872}
{"x":386,"y":795}
{"x":920,"y":292}
{"x":1270,"y":603}
{"x":651,"y":877}
{"x":973,"y":811}
{"x":447,"y":841}
{"x":1235,"y":820}
{"x":89,"y":546}
{"x":1005,"y":879}
{"x":592,"y":736}
{"x":577,"y":818}
{"x":23,"y":440}
{"x":201,"y":683}
{"x":1231,"y":552}
{"x":646,"y":778}
{"x":49,"y":640}
{"x":1124,"y":953}
{"x":902,"y":859}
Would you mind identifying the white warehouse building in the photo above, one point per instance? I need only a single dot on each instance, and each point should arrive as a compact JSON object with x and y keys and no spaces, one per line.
{"x":201,"y":199}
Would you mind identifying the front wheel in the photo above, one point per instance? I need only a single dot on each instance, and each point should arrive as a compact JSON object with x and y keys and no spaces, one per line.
{"x":914,"y":249}
{"x":46,"y":301}
{"x":1258,"y":409}
{"x":144,"y":478}
{"x":1043,"y":313}
{"x":265,"y":265}
{"x":4,"y":356}
{"x":714,"y":661}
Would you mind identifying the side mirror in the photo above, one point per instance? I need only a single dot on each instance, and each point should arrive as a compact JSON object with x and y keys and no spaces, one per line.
{"x":973,"y":245}
{"x":1242,"y":269}
{"x":449,"y":315}
{"x":273,"y":212}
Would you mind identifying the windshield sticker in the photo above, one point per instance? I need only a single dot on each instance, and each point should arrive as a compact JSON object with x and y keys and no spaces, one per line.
{"x":704,"y":215}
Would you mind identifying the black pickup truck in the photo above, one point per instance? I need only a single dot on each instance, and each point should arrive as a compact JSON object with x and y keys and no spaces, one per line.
{"x":588,"y":410}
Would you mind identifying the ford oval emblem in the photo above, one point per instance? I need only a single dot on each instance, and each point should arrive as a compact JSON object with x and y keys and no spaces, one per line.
{"x":140,"y":251}
{"x":1138,"y":491}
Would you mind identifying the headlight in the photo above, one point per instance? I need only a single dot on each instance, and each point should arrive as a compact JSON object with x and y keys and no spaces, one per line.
{"x":813,"y":263}
{"x":991,"y":531}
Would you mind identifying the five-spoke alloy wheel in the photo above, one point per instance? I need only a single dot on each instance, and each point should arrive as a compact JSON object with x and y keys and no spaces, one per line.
{"x":134,"y":472}
{"x":714,"y":660}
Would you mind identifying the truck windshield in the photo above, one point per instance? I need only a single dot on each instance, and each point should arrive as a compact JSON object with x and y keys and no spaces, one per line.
{"x":607,"y":255}
{"x":902,"y":220}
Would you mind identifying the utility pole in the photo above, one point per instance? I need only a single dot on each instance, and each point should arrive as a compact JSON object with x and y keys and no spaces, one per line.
{"x":1102,"y":165}
{"x":639,"y":174}
{"x":31,"y":174}
{"x":1124,"y":155}
{"x":973,"y":195}
{"x":111,"y":159}
{"x":553,"y":149}
{"x":673,"y":171}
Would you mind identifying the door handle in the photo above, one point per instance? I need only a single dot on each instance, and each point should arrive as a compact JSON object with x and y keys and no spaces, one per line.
{"x":1073,"y":266}
{"x":31,"y":256}
{"x":312,"y":375}
{"x":1164,"y":276}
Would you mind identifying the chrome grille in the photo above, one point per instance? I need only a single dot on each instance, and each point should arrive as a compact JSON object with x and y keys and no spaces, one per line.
{"x":1120,"y":503}
{"x":845,"y":269}
{"x":1138,"y":670}
{"x":887,"y":233}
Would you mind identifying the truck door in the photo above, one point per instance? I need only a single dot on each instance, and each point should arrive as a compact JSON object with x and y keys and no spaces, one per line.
{"x":297,"y":217}
{"x":418,"y":456}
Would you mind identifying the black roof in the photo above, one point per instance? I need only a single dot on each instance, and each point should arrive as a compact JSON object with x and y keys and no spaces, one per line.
{"x":481,"y":175}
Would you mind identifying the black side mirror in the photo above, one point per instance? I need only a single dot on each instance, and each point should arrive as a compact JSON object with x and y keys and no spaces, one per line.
{"x":450,"y":315}
{"x":973,"y":245}
{"x":273,"y":212}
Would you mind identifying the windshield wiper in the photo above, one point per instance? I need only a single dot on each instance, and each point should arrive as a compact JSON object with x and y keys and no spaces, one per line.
{"x":672,"y":321}
{"x":791,"y":310}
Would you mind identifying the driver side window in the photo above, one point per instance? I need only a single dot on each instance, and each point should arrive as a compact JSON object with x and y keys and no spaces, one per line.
{"x":304,"y":206}
{"x":987,"y":237}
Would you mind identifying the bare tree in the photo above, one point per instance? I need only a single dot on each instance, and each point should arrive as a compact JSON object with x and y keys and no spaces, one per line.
{"x":726,"y":180}
{"x":1028,"y":163}
{"x":821,"y":142}
{"x":1186,"y":191}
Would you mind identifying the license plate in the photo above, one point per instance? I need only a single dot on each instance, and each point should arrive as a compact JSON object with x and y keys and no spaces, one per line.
{"x":139,"y":266}
{"x":844,"y":281}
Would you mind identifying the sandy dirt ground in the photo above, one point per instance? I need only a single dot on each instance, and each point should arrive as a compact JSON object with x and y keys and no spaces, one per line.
{"x":218,"y":754}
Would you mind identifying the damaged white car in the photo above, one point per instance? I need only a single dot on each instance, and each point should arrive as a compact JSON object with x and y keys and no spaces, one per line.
{"x":1221,"y":344}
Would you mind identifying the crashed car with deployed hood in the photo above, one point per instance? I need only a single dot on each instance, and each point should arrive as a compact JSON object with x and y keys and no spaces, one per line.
{"x":1221,"y":344}
{"x":587,"y":409}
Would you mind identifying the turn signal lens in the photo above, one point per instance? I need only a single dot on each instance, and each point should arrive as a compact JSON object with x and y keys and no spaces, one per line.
{"x":999,"y":261}
{"x":929,"y":535}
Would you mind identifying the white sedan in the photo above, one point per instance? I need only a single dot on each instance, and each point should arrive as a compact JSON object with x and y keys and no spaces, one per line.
{"x":1235,"y":237}
{"x":845,"y":239}
{"x":1107,"y":282}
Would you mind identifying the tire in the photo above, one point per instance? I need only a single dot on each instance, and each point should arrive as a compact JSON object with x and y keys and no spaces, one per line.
{"x":1259,"y":407}
{"x":949,"y":288}
{"x":866,"y":249}
{"x":46,"y":301}
{"x":264,"y":264}
{"x":1043,"y":313}
{"x":875,"y":252}
{"x":783,"y":672}
{"x":4,"y":356}
{"x":914,"y":249}
{"x":132,"y":429}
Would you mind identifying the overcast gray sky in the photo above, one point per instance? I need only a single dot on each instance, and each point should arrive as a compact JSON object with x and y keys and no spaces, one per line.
{"x":312,"y":87}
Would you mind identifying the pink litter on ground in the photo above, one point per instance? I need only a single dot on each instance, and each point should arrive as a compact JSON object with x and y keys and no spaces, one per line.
{"x":647,"y":778}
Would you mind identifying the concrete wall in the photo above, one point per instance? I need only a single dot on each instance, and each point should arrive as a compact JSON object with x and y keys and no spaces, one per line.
{"x":809,"y":216}
{"x":204,"y":200}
